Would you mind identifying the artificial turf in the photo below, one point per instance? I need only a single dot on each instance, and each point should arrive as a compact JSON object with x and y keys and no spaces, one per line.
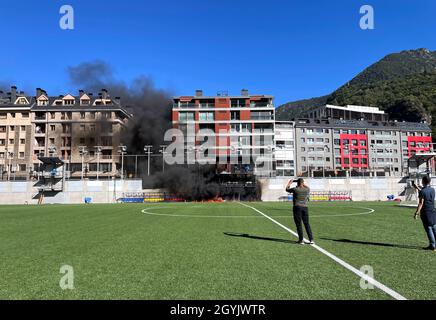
{"x":209,"y":251}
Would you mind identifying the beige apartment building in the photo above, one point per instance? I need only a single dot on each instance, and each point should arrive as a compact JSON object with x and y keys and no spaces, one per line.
{"x":83,"y":131}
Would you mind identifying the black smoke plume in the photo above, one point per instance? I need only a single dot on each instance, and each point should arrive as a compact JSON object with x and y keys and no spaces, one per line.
{"x":151,"y":117}
{"x":150,"y":107}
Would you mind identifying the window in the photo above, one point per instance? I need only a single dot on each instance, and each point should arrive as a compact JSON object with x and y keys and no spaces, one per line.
{"x":3,"y":115}
{"x":12,"y":114}
{"x":52,"y":127}
{"x":235,"y":115}
{"x":2,"y":128}
{"x":186,"y":116}
{"x":106,"y":141}
{"x":23,"y":128}
{"x":207,"y":116}
{"x":52,"y":141}
{"x":22,"y":141}
{"x":337,"y":142}
{"x":338,"y":161}
{"x":345,"y":141}
{"x":337,"y":131}
{"x":362,"y":143}
{"x":25,"y":115}
{"x":92,"y":115}
{"x":2,"y":142}
{"x":52,"y":115}
{"x":12,"y":128}
{"x":246,"y":127}
{"x":82,"y":115}
{"x":11,"y":141}
{"x":82,"y":140}
{"x":21,"y":156}
{"x":364,"y":161}
{"x":303,"y":149}
{"x":82,"y":127}
{"x":310,"y":140}
{"x":92,"y":128}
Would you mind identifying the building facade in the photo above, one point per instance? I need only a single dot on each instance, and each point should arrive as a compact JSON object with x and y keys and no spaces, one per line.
{"x":242,"y":126}
{"x":332,"y":147}
{"x":285,"y":149}
{"x":83,"y":131}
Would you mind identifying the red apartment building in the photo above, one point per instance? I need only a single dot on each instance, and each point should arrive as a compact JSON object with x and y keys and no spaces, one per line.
{"x":243,"y":125}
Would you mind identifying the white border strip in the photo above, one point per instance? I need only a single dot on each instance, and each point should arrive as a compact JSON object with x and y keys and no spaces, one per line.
{"x":374,"y":282}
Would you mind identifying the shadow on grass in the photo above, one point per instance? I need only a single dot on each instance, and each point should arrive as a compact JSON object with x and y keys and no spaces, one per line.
{"x":380,"y":244}
{"x":245,"y":235}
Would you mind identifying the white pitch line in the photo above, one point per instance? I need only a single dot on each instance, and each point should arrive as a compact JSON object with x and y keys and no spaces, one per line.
{"x":146,"y":211}
{"x":346,"y":265}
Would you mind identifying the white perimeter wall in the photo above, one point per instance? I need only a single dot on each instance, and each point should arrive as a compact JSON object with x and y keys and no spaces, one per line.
{"x":362,"y":189}
{"x":74,"y":191}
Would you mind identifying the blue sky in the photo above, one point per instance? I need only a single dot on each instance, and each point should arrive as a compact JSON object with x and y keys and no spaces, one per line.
{"x":291,"y":49}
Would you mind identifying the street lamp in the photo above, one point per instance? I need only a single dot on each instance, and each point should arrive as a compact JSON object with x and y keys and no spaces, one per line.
{"x":147,"y":150}
{"x":98,"y":151}
{"x":162,"y":150}
{"x":122,"y":150}
{"x":83,"y":152}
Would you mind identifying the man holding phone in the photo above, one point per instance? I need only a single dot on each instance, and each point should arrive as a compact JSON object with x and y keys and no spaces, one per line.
{"x":301,"y":212}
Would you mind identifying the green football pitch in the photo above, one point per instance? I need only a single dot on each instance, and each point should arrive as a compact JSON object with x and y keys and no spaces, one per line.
{"x":212,"y":251}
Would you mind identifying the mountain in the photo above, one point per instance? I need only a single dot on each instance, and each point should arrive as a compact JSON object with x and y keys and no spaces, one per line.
{"x":298,"y":107}
{"x":403,"y":84}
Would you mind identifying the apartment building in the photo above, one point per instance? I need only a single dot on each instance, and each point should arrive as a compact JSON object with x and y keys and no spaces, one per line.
{"x":242,"y":126}
{"x":334,"y":147}
{"x":80,"y":129}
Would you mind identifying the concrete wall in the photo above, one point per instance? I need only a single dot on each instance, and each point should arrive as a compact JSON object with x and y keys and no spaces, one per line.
{"x":74,"y":191}
{"x":373,"y":189}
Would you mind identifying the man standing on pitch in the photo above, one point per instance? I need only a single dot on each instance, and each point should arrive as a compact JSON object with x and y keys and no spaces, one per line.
{"x":427,"y":212}
{"x":301,"y":212}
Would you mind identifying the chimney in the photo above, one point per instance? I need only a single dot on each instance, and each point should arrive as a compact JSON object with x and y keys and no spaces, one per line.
{"x":198,"y":93}
{"x":81,"y":93}
{"x":244,"y":92}
{"x":38,"y":92}
{"x":103,"y":93}
{"x":118,"y":100}
{"x":13,"y":94}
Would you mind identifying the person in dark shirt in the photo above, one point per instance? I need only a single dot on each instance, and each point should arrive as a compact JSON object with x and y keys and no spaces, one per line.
{"x":301,"y":211}
{"x":426,"y":211}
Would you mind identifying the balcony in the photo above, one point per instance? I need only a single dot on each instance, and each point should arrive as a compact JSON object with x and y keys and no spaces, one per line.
{"x":261,"y":105}
{"x":262,"y":118}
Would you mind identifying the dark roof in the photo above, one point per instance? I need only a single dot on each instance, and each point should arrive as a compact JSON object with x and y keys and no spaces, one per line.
{"x":361,"y":124}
